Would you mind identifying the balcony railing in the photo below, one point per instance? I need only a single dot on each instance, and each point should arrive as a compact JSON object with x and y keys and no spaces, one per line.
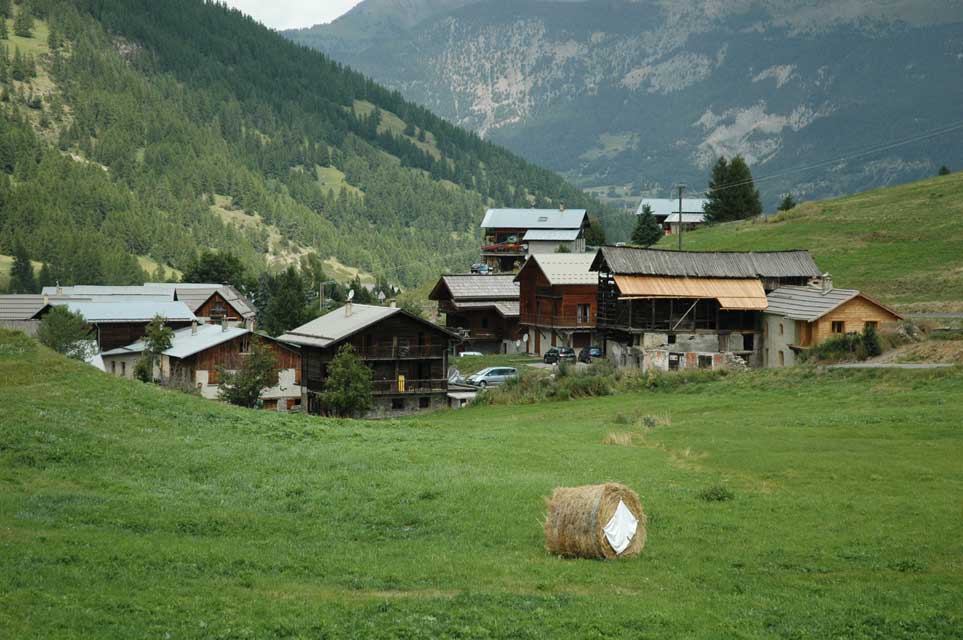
{"x":401,"y":352}
{"x":505,"y":247}
{"x":393,"y":387}
{"x":561,"y":321}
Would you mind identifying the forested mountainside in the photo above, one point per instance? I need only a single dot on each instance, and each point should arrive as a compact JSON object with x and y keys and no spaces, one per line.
{"x":631,"y":96}
{"x":141,"y":129}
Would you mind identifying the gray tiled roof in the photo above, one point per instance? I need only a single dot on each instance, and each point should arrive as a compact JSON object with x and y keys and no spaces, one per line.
{"x":807,"y":303}
{"x":565,"y":268}
{"x":476,"y":287}
{"x":20,"y":306}
{"x":533,"y":219}
{"x":507,"y":308}
{"x":334,"y":327}
{"x":186,"y":342}
{"x":126,"y":311}
{"x":707,"y":264}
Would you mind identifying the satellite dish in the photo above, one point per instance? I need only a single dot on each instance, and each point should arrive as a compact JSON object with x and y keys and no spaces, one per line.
{"x":351,"y":295}
{"x":525,"y":338}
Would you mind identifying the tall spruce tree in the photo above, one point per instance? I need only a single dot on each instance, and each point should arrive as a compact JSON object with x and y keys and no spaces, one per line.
{"x":647,"y":231}
{"x":21,"y":275}
{"x":732,"y":192}
{"x":285,"y":308}
{"x":787,"y":203}
{"x":23,"y":23}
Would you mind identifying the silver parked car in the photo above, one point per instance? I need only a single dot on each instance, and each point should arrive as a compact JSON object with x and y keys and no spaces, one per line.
{"x":492,"y":376}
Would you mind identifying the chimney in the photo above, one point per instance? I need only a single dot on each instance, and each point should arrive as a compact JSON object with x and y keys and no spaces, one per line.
{"x":347,"y":309}
{"x":46,"y":300}
{"x":827,"y":283}
{"x":561,"y":206}
{"x":224,"y":324}
{"x":194,"y":327}
{"x":60,"y":290}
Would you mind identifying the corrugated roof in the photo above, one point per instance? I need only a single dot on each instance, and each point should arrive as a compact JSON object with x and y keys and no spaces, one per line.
{"x":706,"y":264}
{"x":812,"y":303}
{"x":732,"y":293}
{"x":507,"y":308}
{"x":475,"y":287}
{"x":20,"y":306}
{"x":533,"y":219}
{"x":564,"y":268}
{"x":665,"y":206}
{"x":336,"y":326}
{"x":560,"y":235}
{"x":186,"y":343}
{"x":128,"y":311}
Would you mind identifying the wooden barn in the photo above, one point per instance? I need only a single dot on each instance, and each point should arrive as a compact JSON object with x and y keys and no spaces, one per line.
{"x":198,"y":351}
{"x":408,"y":356}
{"x":117,"y":324}
{"x":481,"y":309}
{"x":558,"y":295}
{"x":801,"y":317}
{"x":683,"y":309}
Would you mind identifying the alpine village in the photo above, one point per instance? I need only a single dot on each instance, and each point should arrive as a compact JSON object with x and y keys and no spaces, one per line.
{"x":284,"y":354}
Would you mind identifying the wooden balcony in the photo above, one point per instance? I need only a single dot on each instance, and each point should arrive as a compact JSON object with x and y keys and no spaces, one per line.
{"x":557,"y":321}
{"x":401,"y":352}
{"x":391,"y":387}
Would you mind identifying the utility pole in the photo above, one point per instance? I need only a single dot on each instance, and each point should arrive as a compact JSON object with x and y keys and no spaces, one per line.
{"x":681,"y":188}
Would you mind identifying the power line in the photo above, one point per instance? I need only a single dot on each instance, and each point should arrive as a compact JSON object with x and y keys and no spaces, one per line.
{"x":865,"y":151}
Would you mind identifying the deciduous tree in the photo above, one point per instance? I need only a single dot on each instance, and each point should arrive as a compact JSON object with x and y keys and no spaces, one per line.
{"x":258,"y":372}
{"x":347,"y":391}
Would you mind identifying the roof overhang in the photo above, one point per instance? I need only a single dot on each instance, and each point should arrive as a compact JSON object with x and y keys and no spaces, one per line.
{"x":733,"y":294}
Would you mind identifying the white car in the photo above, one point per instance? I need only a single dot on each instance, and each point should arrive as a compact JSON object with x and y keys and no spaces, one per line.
{"x":492,"y":376}
{"x":466,"y":354}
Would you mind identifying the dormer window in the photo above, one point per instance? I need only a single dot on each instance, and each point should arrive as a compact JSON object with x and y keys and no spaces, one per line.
{"x":543,"y":218}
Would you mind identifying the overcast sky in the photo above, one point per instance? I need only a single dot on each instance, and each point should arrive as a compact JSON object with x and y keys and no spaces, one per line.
{"x":287,"y":14}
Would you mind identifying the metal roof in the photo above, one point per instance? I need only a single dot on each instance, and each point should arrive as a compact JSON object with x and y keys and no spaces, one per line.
{"x":732,"y":293}
{"x":475,"y":287}
{"x":687,"y":217}
{"x":91,"y":292}
{"x":564,"y":268}
{"x":706,"y":264}
{"x":533,"y":219}
{"x":507,"y":308}
{"x":125,"y":311}
{"x":665,"y":206}
{"x":811,"y":303}
{"x":561,"y":235}
{"x":334,"y":327}
{"x":186,"y":343}
{"x":20,"y":306}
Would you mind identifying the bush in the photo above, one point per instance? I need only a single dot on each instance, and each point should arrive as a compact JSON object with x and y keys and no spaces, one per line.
{"x":67,"y":333}
{"x":851,"y":346}
{"x":347,"y":391}
{"x":258,"y":372}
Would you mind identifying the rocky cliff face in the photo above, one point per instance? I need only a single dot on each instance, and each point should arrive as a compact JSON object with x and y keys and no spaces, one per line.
{"x":631,"y":97}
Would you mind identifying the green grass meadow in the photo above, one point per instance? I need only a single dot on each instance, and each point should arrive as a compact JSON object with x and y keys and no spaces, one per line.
{"x":128,"y":511}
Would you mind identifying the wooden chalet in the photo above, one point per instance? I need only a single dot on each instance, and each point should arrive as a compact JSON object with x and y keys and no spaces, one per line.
{"x":678,"y":309}
{"x":513,"y":234}
{"x":212,"y":302}
{"x":117,"y":324}
{"x":481,"y":309}
{"x":198,"y":352}
{"x":558,"y":293}
{"x":798,"y":318}
{"x":408,"y":356}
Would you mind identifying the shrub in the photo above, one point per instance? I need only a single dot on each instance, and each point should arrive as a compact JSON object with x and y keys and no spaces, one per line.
{"x":716,"y":493}
{"x":347,"y":391}
{"x":258,"y":372}
{"x":67,"y":332}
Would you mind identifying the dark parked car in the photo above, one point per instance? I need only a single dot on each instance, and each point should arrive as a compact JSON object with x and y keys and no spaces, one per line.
{"x":559,"y":354}
{"x":589,"y":353}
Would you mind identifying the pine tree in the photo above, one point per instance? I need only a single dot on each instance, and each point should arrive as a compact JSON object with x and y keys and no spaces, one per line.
{"x":787,"y":203}
{"x":23,"y":23}
{"x":944,"y":171}
{"x":732,"y":192}
{"x":4,"y":34}
{"x":66,"y":332}
{"x":647,"y":231}
{"x":18,"y":66}
{"x":46,"y":277}
{"x":6,"y":9}
{"x":285,"y":309}
{"x":21,"y":275}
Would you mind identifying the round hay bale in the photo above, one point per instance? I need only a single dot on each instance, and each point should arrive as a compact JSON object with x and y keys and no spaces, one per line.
{"x":574,"y":526}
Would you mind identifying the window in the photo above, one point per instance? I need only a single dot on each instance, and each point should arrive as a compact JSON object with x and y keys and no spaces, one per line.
{"x":871,"y":323}
{"x":113,"y":367}
{"x":781,"y":329}
{"x":584,"y":312}
{"x":705,"y":362}
{"x":424,"y":402}
{"x":123,"y":368}
{"x":782,"y":359}
{"x":671,"y":338}
{"x":484,"y":323}
{"x":398,"y":404}
{"x":839,"y":326}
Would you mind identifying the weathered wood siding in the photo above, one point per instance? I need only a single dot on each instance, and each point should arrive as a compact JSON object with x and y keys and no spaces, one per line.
{"x":111,"y":335}
{"x":854,"y":315}
{"x":217,"y":307}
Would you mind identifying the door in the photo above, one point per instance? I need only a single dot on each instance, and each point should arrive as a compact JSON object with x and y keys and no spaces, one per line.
{"x":538,"y":343}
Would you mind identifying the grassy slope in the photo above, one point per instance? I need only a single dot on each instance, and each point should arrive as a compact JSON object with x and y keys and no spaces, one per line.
{"x":903,"y":245}
{"x":129,"y":511}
